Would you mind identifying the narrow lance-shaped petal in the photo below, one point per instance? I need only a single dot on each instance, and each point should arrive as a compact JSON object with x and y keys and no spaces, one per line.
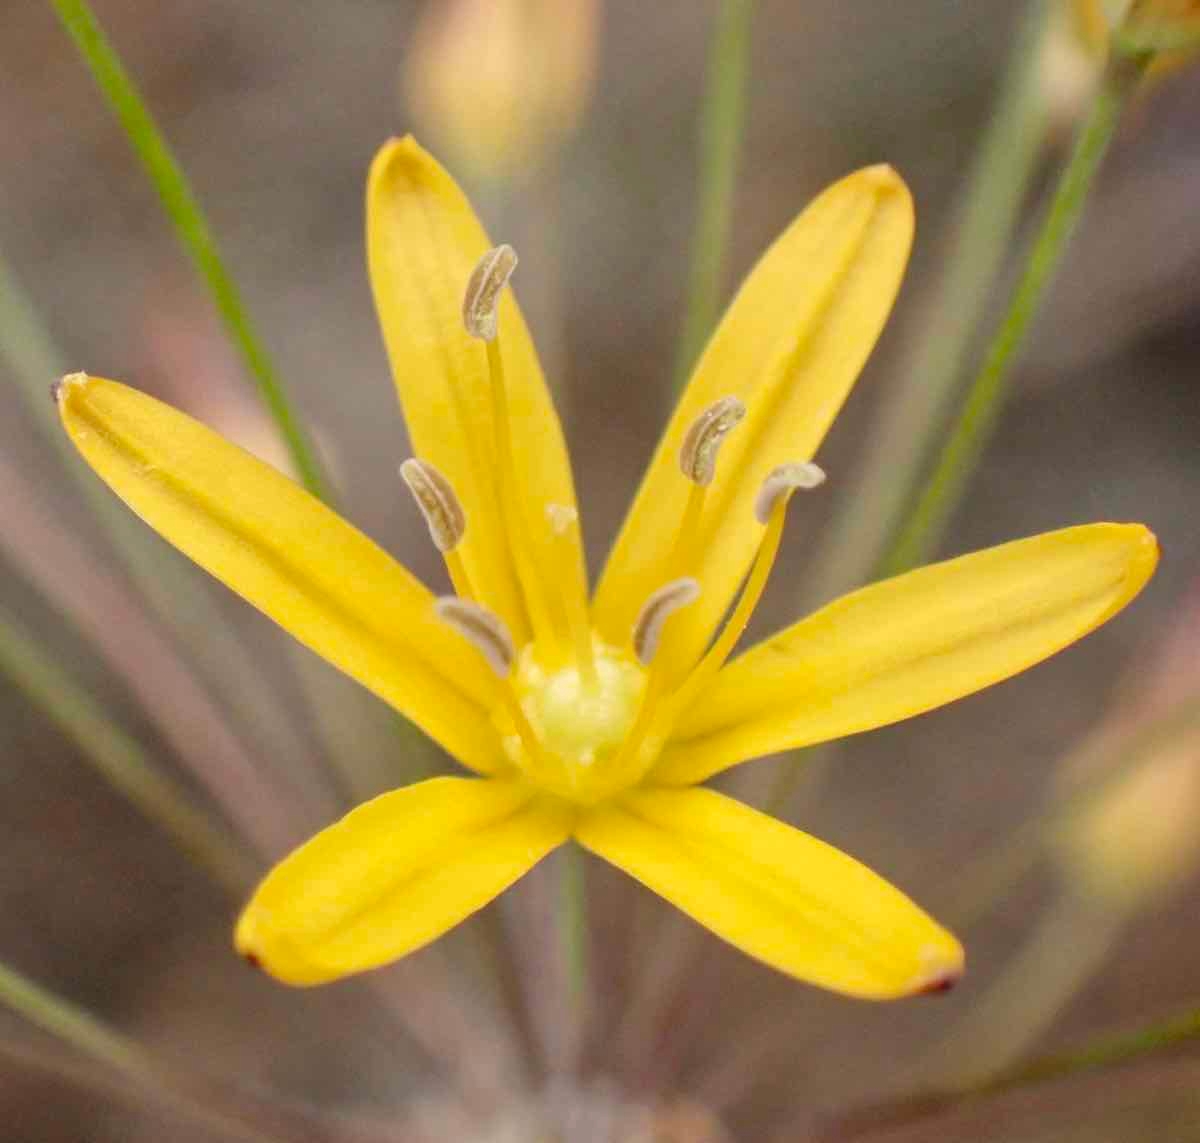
{"x":289,"y":555}
{"x":910,"y":644}
{"x":393,"y":875}
{"x":790,"y":347}
{"x":423,"y":243}
{"x":778,"y":894}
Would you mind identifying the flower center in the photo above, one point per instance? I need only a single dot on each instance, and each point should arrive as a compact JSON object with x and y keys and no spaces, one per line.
{"x":582,"y":719}
{"x":593,"y":723}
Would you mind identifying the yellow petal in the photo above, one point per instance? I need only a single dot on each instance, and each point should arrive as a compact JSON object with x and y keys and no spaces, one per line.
{"x":778,"y":894}
{"x":910,"y":644}
{"x":289,"y":555}
{"x":790,"y":346}
{"x":423,"y":241}
{"x":394,"y":874}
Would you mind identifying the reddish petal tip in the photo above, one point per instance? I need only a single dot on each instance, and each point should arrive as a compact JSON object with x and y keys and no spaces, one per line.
{"x":943,"y":983}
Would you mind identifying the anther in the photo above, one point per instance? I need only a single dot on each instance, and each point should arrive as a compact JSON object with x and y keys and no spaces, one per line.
{"x":482,"y":299}
{"x":702,"y":441}
{"x":782,"y":481}
{"x":480,"y":627}
{"x":647,"y":631}
{"x":439,"y":505}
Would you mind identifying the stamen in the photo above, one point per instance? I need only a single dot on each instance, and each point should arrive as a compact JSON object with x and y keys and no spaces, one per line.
{"x":647,"y":631}
{"x":480,"y":627}
{"x":783,"y":481}
{"x":486,"y":631}
{"x":481,"y":317}
{"x":444,"y":516}
{"x":770,"y":507}
{"x":482,"y":299}
{"x":564,"y":523}
{"x":702,"y":441}
{"x":647,"y":635}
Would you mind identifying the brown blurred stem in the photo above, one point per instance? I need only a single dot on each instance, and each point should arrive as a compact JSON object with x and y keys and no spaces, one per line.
{"x":270,"y":815}
{"x":1061,"y":955}
{"x":95,"y":1058}
{"x":121,"y":759}
{"x":1104,"y":1052}
{"x":98,"y":1042}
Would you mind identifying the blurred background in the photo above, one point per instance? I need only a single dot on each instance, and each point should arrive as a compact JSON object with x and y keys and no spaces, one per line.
{"x":275,"y":111}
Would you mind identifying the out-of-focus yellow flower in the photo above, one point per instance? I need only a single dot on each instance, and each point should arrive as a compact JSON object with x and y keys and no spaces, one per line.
{"x":1072,"y":58}
{"x":1138,"y":836}
{"x":598,"y":721}
{"x":498,"y":84}
{"x":1092,"y":19}
{"x":1130,"y":829}
{"x":1170,"y":29}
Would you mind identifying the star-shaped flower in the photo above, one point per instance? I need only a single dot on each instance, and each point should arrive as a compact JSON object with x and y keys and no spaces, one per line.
{"x":597,"y":721}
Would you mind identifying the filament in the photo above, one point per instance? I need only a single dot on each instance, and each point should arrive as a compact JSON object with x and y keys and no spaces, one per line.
{"x":770,"y":509}
{"x":510,"y":505}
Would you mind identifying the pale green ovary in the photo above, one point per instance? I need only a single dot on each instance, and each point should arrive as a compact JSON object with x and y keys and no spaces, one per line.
{"x":580,"y":726}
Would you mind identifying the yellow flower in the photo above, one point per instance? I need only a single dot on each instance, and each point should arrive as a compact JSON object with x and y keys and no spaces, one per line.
{"x":1168,"y":29}
{"x":502,"y":83}
{"x":597,"y":722}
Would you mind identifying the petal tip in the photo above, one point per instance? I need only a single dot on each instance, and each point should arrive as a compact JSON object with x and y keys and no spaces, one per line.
{"x":62,"y":387}
{"x":939,"y":984}
{"x":269,"y":957}
{"x":395,"y":149}
{"x":1145,"y":552}
{"x":884,"y":179}
{"x":942,"y":967}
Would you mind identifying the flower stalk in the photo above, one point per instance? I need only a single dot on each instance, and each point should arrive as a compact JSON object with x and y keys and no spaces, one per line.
{"x":574,"y":935}
{"x":906,"y":433}
{"x":985,"y":399}
{"x":193,"y":231}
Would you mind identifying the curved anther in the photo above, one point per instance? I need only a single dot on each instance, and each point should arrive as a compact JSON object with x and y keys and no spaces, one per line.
{"x":482,"y":298}
{"x":702,"y":441}
{"x":783,"y":481}
{"x":439,"y":505}
{"x":648,"y":629}
{"x":482,"y":628}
